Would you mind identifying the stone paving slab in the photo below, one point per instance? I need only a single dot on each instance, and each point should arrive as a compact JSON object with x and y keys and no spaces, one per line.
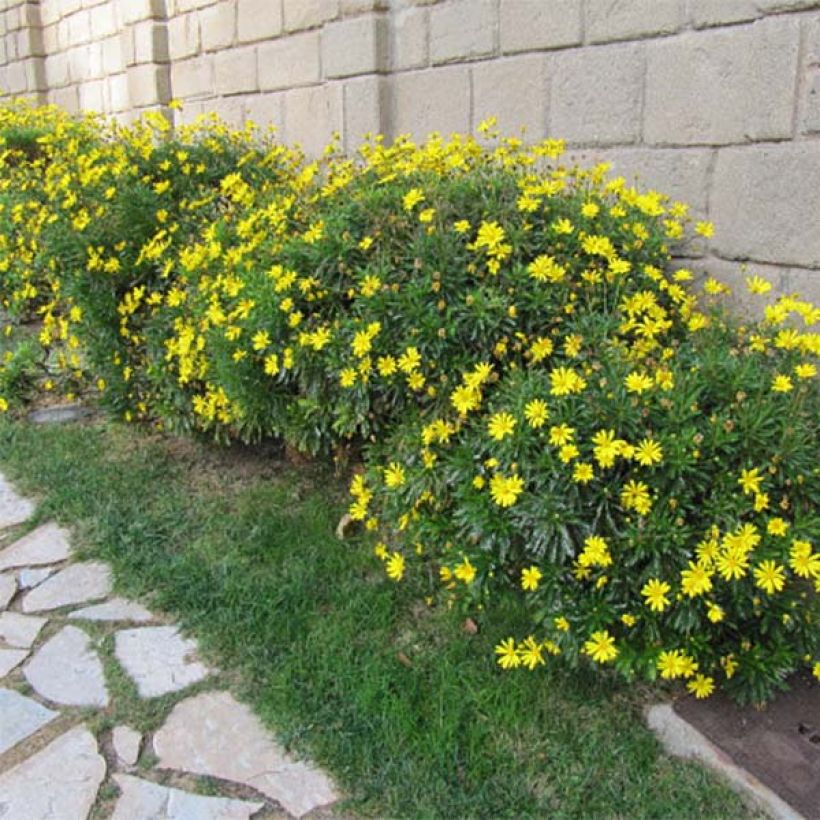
{"x":8,"y":589}
{"x":142,"y":800}
{"x":58,"y":783}
{"x":20,"y":717}
{"x":29,"y":578}
{"x":47,"y":544}
{"x":68,"y":671}
{"x":158,"y":659}
{"x":76,"y":584}
{"x":14,"y":509}
{"x":10,"y":659}
{"x":213,"y":734}
{"x":126,"y":742}
{"x":117,"y":609}
{"x":20,"y":631}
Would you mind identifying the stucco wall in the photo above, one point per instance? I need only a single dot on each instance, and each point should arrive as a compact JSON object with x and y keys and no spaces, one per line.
{"x":714,"y":101}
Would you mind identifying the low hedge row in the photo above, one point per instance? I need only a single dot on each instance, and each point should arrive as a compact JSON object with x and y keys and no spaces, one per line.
{"x":543,"y":403}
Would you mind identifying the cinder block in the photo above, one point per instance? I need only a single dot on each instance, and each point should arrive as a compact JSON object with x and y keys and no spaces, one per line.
{"x":266,"y":110}
{"x":16,"y":77}
{"x":103,"y":21}
{"x":112,"y":56}
{"x":150,"y":42}
{"x":217,"y":24}
{"x":531,"y":25}
{"x":183,"y":36}
{"x":93,"y":54}
{"x":434,"y":100}
{"x":66,"y":98}
{"x":462,"y":29}
{"x":135,"y":10}
{"x":596,"y":94}
{"x":364,"y":100}
{"x":230,"y":110}
{"x":258,"y":20}
{"x":235,"y":71}
{"x":719,"y":12}
{"x":764,"y":202}
{"x":35,"y":78}
{"x":79,"y":28}
{"x":515,"y":91}
{"x":78,"y":66}
{"x":49,"y":12}
{"x":628,"y":19}
{"x":192,"y":78}
{"x":92,"y":96}
{"x":118,"y":92}
{"x":312,"y":115}
{"x":810,"y":122}
{"x":183,"y":6}
{"x":354,"y":46}
{"x":290,"y":61}
{"x":408,"y":38}
{"x":303,"y":14}
{"x":148,"y":85}
{"x":722,"y":86}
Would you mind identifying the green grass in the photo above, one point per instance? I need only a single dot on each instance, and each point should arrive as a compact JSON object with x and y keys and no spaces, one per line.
{"x":241,"y":548}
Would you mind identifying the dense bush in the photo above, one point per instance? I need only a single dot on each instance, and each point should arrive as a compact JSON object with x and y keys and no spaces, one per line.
{"x":544,"y":404}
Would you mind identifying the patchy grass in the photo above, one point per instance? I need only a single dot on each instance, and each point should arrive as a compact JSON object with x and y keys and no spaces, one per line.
{"x":409,"y":712}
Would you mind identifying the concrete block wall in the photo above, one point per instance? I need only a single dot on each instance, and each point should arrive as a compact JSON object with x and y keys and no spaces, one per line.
{"x":716,"y":102}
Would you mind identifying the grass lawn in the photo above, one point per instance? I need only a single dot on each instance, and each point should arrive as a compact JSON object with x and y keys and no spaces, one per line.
{"x":407,"y":710}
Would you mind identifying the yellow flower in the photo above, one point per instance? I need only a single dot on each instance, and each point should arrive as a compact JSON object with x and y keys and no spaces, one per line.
{"x":803,"y":561}
{"x":761,"y":502}
{"x":541,"y":348}
{"x":260,"y":340}
{"x":590,"y":209}
{"x":816,"y":670}
{"x":757,"y":284}
{"x":770,"y":577}
{"x":582,"y":473}
{"x":347,"y":378}
{"x":530,"y":578}
{"x":507,"y":654}
{"x":701,"y":686}
{"x":395,"y":566}
{"x":805,"y":371}
{"x":777,"y":526}
{"x":671,"y":664}
{"x":465,"y":571}
{"x":386,"y":365}
{"x":732,"y":565}
{"x":750,"y":481}
{"x":567,"y":453}
{"x":409,"y":360}
{"x":635,"y":496}
{"x":505,"y":491}
{"x":655,"y":592}
{"x":478,"y":482}
{"x":500,"y":426}
{"x":564,"y":381}
{"x":781,"y":384}
{"x":561,"y":434}
{"x":628,"y":620}
{"x":561,"y":623}
{"x":536,"y":412}
{"x":412,"y":198}
{"x":715,"y":613}
{"x":638,"y":382}
{"x":601,"y":647}
{"x":530,"y":653}
{"x":394,"y":475}
{"x":380,"y":551}
{"x":462,"y":226}
{"x":465,"y":399}
{"x":696,"y":580}
{"x":648,"y":452}
{"x":545,"y":269}
{"x":706,"y":229}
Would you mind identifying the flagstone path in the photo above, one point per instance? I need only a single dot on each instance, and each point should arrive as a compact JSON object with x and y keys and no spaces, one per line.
{"x":210,"y":758}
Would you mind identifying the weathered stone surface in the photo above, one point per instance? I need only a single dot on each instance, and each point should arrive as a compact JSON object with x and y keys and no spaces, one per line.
{"x":719,"y":12}
{"x":14,"y":509}
{"x":47,"y":544}
{"x":30,"y":578}
{"x":312,"y":115}
{"x":626,"y":19}
{"x":142,"y":800}
{"x":75,"y":584}
{"x":8,"y":589}
{"x":408,"y":38}
{"x":300,"y":14}
{"x":363,"y":98}
{"x":492,"y":81}
{"x":462,"y":29}
{"x":67,"y":670}
{"x":369,"y":54}
{"x":722,"y":86}
{"x":289,"y":61}
{"x":20,"y":717}
{"x":764,"y":203}
{"x":158,"y":659}
{"x":20,"y":631}
{"x":596,"y":94}
{"x":213,"y":734}
{"x":10,"y":659}
{"x":529,"y":25}
{"x":434,"y":100}
{"x":258,"y":20}
{"x":127,"y":742}
{"x":810,"y":123}
{"x":117,"y":609}
{"x":43,"y":787}
{"x":59,"y":414}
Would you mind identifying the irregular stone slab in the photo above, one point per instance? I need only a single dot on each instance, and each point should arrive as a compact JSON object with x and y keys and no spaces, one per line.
{"x":127,"y":744}
{"x":213,"y":734}
{"x":14,"y":509}
{"x":20,"y":717}
{"x":142,"y":800}
{"x":8,"y":589}
{"x":158,"y":659}
{"x":117,"y":609}
{"x":30,"y":578}
{"x":18,"y":630}
{"x":60,"y":781}
{"x":47,"y":544}
{"x":10,"y":659}
{"x":66,"y":670}
{"x":76,"y":584}
{"x":59,"y":414}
